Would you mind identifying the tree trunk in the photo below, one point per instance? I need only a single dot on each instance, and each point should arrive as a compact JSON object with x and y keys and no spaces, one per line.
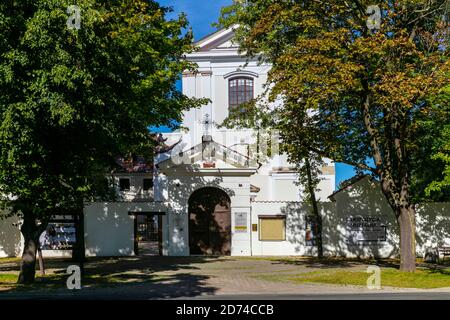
{"x":78,"y":252}
{"x":315,"y":209}
{"x":41,"y":261}
{"x":31,"y":233}
{"x":28,"y":264}
{"x":407,"y":223}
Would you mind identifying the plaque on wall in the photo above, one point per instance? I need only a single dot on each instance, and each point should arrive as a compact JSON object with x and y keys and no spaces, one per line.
{"x":365,"y":229}
{"x":240,"y":222}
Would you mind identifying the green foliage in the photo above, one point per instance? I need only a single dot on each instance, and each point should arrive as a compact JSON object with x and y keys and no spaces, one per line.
{"x":350,"y":93}
{"x":73,"y":99}
{"x":434,"y":173}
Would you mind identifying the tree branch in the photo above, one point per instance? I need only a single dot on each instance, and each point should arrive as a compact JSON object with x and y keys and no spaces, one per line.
{"x":358,"y":165}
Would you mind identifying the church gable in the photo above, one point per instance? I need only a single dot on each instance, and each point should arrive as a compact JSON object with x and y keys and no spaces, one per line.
{"x":227,"y":45}
{"x":207,"y":155}
{"x":217,"y":41}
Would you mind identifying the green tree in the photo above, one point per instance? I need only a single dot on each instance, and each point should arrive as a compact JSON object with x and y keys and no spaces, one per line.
{"x":431,"y":180}
{"x":265,"y":121}
{"x":74,"y":96}
{"x":360,"y":75}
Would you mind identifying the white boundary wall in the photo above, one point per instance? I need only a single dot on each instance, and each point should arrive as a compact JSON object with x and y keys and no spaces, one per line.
{"x":109,"y":229}
{"x":11,"y":241}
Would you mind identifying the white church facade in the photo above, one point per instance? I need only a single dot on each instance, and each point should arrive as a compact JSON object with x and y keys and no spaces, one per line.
{"x":211,"y":162}
{"x":210,"y":195}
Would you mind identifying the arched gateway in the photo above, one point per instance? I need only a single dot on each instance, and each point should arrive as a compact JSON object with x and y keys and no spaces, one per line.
{"x":210,"y":222}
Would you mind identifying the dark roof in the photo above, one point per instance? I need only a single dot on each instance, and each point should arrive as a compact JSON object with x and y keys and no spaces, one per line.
{"x":136,"y":164}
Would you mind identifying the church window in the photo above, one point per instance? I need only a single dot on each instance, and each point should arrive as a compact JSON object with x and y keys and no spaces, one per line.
{"x":124,"y":184}
{"x":240,"y":90}
{"x":148,"y":184}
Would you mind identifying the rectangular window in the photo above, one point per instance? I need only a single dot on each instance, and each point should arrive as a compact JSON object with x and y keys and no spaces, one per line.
{"x":240,"y":90}
{"x":272,"y":228}
{"x":148,"y":184}
{"x":124,"y":184}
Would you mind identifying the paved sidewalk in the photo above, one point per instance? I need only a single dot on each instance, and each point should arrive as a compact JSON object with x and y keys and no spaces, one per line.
{"x":197,"y":277}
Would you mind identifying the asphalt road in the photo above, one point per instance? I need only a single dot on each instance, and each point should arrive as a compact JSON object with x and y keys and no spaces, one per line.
{"x":139,"y":296}
{"x":356,"y":296}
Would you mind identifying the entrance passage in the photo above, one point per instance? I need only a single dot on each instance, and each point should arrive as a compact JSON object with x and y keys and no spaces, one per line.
{"x":148,"y":234}
{"x":210,"y":222}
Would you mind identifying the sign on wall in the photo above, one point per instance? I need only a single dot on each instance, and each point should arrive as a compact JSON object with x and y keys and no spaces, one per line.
{"x":365,"y":229}
{"x":240,"y":222}
{"x":58,"y":236}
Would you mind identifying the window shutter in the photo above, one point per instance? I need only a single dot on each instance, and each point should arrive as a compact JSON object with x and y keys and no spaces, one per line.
{"x":272,"y":229}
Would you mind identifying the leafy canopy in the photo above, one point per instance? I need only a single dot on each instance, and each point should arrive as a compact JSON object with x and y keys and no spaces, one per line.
{"x":350,"y":92}
{"x":73,"y":99}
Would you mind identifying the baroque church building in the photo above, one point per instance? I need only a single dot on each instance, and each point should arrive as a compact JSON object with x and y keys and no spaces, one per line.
{"x":221,"y":198}
{"x":209,"y":192}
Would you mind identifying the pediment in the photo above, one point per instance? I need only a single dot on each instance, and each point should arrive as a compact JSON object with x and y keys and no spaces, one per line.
{"x":217,"y":41}
{"x":208,"y":156}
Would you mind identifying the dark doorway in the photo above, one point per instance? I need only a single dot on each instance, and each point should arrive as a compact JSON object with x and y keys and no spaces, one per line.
{"x":210,"y":222}
{"x":148,"y":234}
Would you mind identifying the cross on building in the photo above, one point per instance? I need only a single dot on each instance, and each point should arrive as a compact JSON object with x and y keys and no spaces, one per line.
{"x":206,"y":123}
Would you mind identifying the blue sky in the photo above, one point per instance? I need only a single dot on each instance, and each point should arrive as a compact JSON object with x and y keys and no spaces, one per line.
{"x":201,"y":14}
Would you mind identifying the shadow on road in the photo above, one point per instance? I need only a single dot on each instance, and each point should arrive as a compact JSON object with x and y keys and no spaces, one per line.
{"x":119,"y":277}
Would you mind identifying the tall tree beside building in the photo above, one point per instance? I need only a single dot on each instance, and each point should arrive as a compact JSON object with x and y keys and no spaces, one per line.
{"x":362,"y":73}
{"x":80,"y":85}
{"x":431,"y":178}
{"x":258,"y":115}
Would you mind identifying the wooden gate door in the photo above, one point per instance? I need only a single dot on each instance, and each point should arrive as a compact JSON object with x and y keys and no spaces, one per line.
{"x":210,"y":222}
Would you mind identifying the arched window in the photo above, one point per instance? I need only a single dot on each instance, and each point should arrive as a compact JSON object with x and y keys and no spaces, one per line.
{"x":240,"y":90}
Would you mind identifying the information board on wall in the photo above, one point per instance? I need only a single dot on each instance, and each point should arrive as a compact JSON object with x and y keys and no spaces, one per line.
{"x":240,"y":222}
{"x":58,"y":236}
{"x":365,"y":229}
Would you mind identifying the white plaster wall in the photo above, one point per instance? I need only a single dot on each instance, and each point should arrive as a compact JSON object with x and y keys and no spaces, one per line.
{"x":366,"y":199}
{"x":432,"y":226}
{"x":11,"y":240}
{"x":295,"y":213}
{"x":179,"y":191}
{"x":136,"y":192}
{"x":284,"y":187}
{"x":360,"y":199}
{"x":57,"y":253}
{"x":262,"y":181}
{"x":109,"y":229}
